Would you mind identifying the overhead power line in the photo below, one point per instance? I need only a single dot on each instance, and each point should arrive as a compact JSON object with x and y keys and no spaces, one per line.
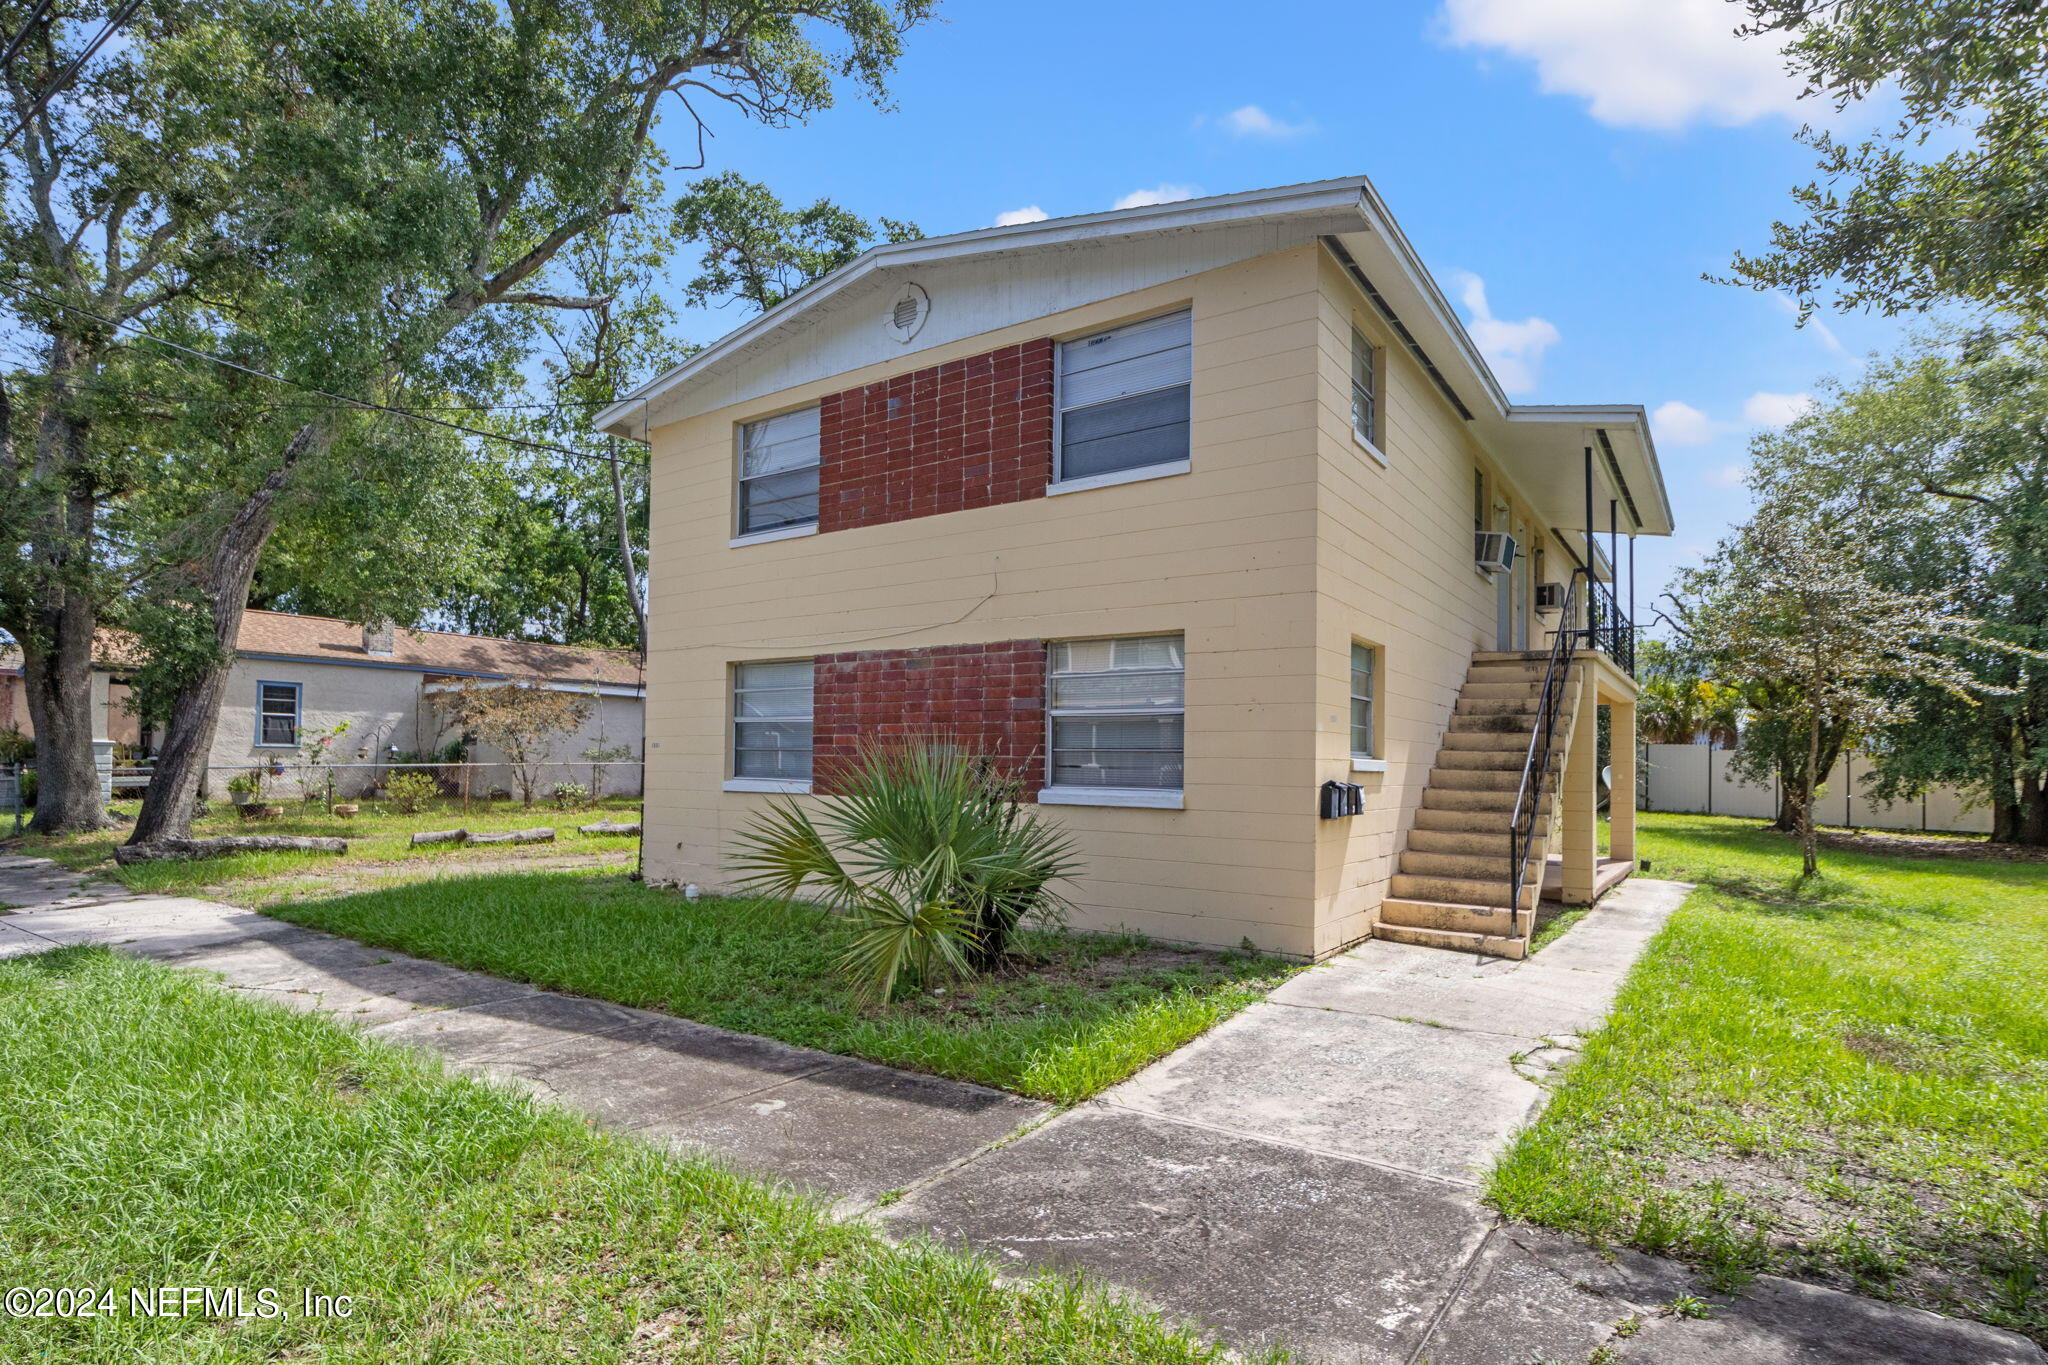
{"x":64,"y":78}
{"x":136,"y":329}
{"x":28,"y":26}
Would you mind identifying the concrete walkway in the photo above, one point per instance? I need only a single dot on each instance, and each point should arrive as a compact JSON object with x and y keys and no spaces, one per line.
{"x":1304,"y":1174}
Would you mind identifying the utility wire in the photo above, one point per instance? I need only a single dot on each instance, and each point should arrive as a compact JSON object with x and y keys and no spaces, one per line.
{"x":546,"y":447}
{"x":64,"y":78}
{"x":21,"y":38}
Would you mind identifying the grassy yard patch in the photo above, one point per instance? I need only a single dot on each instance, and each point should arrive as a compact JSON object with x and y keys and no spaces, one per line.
{"x":1845,"y":1081}
{"x":380,"y":847}
{"x":156,"y":1131}
{"x":1079,"y":1012}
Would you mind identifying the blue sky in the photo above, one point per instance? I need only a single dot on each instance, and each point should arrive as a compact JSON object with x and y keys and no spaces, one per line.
{"x":1585,"y":160}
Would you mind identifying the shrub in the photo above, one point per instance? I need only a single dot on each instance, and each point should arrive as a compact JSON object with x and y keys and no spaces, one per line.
{"x":410,"y":791}
{"x":571,"y":795}
{"x":16,"y":747}
{"x":927,"y":851}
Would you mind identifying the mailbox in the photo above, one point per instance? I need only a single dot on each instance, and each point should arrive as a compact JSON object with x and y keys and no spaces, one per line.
{"x":1340,"y":799}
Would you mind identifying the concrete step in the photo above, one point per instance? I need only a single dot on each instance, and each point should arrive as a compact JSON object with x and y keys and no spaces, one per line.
{"x":1478,"y":867}
{"x":1487,"y":689}
{"x":1464,"y":919}
{"x":1497,"y":803}
{"x":1476,"y":779}
{"x":1456,"y":890}
{"x":1506,"y":759}
{"x":1500,"y":670}
{"x":1503,"y":741}
{"x":1510,"y":719}
{"x":1486,"y":945}
{"x":1505,"y":656}
{"x":1488,"y":842}
{"x":1434,"y":820}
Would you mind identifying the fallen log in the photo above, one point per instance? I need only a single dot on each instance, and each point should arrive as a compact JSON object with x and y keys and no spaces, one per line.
{"x":539,"y":835}
{"x":440,"y":836}
{"x":610,"y":827}
{"x":168,"y":849}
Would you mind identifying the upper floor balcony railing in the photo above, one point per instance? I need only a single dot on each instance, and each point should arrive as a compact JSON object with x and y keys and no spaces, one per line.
{"x":1607,"y":627}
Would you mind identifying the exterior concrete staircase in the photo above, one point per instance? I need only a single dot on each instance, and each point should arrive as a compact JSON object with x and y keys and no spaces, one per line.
{"x":1453,"y":886}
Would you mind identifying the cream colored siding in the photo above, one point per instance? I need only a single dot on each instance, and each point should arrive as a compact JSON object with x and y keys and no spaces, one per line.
{"x":1285,"y":542}
{"x":1224,"y":555}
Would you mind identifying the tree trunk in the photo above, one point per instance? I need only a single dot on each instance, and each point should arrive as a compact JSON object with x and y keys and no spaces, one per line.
{"x":195,"y":711}
{"x":59,"y":687}
{"x":626,"y":555}
{"x":57,"y":616}
{"x":2032,"y":826}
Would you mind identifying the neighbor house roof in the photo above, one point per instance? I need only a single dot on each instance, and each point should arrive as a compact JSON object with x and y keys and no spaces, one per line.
{"x":999,"y":276}
{"x":324,"y":639}
{"x":277,"y":634}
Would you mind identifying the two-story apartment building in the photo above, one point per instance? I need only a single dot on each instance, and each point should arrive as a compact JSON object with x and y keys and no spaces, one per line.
{"x":1179,"y":513}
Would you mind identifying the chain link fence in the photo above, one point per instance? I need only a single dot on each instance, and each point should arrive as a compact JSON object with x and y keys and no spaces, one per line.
{"x":569,"y":783}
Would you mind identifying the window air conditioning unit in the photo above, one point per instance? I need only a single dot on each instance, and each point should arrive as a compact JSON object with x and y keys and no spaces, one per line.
{"x":1494,"y":550}
{"x":1550,"y":597}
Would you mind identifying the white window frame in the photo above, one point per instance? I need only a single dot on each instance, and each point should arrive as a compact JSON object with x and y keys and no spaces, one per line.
{"x":735,"y":782}
{"x":1138,"y":474}
{"x":741,"y":535}
{"x":1156,"y":798}
{"x":1369,"y":759}
{"x":1368,"y":437}
{"x":298,"y":712}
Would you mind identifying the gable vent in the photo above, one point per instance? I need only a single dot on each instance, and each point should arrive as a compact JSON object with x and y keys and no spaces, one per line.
{"x":908,"y":311}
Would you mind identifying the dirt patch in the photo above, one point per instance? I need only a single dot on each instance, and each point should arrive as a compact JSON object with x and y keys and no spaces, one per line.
{"x":1896,"y":844}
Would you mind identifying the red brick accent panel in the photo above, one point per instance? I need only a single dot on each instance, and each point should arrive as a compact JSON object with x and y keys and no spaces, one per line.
{"x":988,"y":699}
{"x":969,"y":433}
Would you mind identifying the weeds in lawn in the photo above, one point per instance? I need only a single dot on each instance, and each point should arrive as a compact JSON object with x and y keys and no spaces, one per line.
{"x":1074,"y":1014}
{"x":155,"y":1130}
{"x":1835,"y":1079}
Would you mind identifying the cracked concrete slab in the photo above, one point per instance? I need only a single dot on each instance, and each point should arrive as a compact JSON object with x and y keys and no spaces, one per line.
{"x":1435,"y":1101}
{"x":655,"y":1070}
{"x":854,"y":1129}
{"x":1256,"y":1243}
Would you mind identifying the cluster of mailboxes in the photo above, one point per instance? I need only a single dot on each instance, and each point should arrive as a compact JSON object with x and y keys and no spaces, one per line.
{"x":1340,"y":799}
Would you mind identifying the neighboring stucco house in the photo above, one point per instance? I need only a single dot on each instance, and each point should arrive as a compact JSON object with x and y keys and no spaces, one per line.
{"x":1195,"y":517}
{"x":295,"y":674}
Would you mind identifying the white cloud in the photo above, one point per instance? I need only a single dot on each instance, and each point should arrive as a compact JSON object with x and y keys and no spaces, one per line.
{"x":1727,"y":475}
{"x":1659,"y":64}
{"x":1252,"y":121}
{"x":1158,"y":194}
{"x":1513,"y":349}
{"x":1762,"y":409}
{"x":1828,"y":340}
{"x":1682,"y":424}
{"x":1030,"y":213}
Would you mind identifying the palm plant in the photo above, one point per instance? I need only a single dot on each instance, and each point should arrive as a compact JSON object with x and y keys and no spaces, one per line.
{"x":926,"y":850}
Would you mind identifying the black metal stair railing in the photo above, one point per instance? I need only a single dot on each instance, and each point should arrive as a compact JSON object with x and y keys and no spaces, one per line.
{"x":1536,"y":766}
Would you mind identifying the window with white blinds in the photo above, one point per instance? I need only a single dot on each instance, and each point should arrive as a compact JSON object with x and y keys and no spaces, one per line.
{"x":1117,"y":709}
{"x":1365,"y":416}
{"x":1124,"y":398}
{"x":771,"y":720}
{"x":1364,"y":681}
{"x":779,"y":472}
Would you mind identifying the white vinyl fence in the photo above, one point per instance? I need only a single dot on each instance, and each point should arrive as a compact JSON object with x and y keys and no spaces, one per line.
{"x":1696,"y":780}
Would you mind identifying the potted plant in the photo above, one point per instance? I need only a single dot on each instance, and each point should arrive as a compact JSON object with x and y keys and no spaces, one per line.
{"x":246,"y":789}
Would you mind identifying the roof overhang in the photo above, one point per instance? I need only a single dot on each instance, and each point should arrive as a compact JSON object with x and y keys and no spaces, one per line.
{"x":1540,"y":447}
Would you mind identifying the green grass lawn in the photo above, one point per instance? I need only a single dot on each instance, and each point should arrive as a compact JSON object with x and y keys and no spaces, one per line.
{"x":1844,"y":1081}
{"x":156,"y":1131}
{"x":1081,"y":1010}
{"x":377,"y":836}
